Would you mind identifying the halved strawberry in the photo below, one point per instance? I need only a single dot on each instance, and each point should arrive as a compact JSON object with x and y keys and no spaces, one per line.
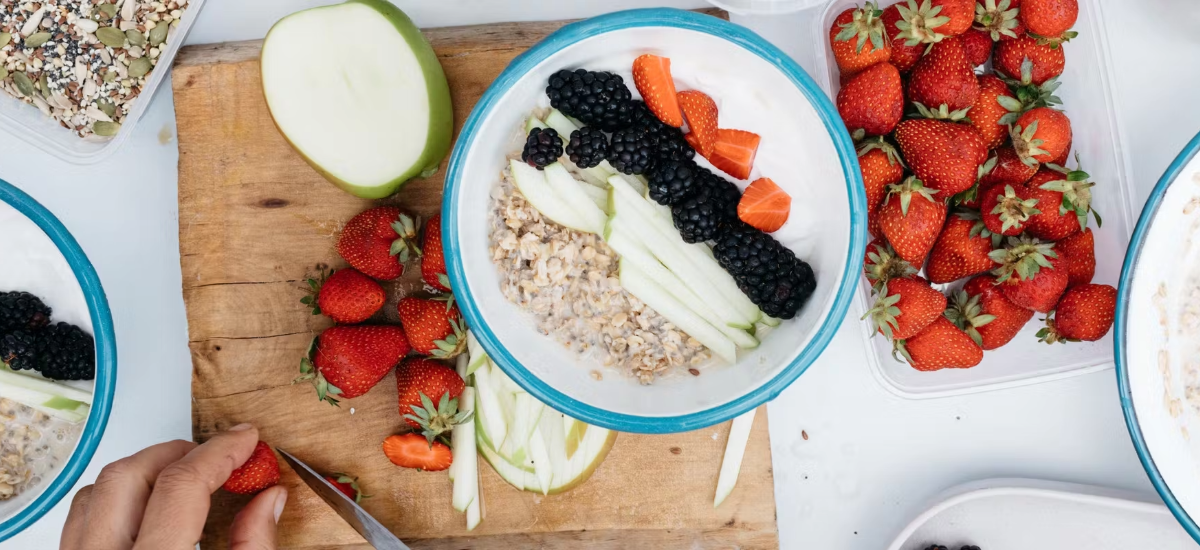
{"x":734,"y":152}
{"x":410,"y":450}
{"x":652,"y":76}
{"x":765,"y":206}
{"x":701,"y":113}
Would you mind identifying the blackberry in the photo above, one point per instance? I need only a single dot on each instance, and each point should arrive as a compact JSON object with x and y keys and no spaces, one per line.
{"x":19,"y":349}
{"x":936,"y":547}
{"x":970,"y":547}
{"x":22,"y":311}
{"x":669,"y":142}
{"x":768,"y":273}
{"x":597,"y":98}
{"x":671,"y":182}
{"x":542,"y":147}
{"x":66,"y":352}
{"x":725,"y":196}
{"x":696,"y":217}
{"x":587,"y":147}
{"x":631,"y":151}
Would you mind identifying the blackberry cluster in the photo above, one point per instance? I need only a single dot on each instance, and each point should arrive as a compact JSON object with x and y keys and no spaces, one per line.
{"x":19,"y":349}
{"x":587,"y":147}
{"x":768,"y":273}
{"x":632,"y":151}
{"x":725,"y":196}
{"x":66,"y":352}
{"x":708,"y":210}
{"x":669,"y":142}
{"x":597,"y":98}
{"x":22,"y":311}
{"x":543,"y":146}
{"x":672,"y":181}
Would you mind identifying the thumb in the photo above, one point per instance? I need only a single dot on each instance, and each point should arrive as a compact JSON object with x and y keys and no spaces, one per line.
{"x":254,"y":526}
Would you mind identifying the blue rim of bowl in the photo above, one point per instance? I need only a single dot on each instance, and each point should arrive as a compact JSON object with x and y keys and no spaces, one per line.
{"x":106,"y":359}
{"x":740,"y":36}
{"x":1149,"y":212}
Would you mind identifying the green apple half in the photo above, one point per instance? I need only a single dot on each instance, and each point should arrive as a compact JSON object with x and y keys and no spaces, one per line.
{"x":357,"y":90}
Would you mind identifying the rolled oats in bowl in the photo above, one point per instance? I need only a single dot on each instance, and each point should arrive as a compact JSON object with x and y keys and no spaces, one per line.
{"x":32,"y":447}
{"x":84,"y":62}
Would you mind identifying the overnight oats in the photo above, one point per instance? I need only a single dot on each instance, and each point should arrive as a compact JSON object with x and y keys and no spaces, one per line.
{"x":47,"y":361}
{"x":628,"y":228}
{"x":84,"y":62}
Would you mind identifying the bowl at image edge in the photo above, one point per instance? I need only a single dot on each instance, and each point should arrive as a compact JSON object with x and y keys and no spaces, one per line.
{"x":53,"y":490}
{"x":818,"y":167}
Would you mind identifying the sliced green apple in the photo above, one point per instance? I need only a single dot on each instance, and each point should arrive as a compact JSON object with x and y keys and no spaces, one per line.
{"x":735,"y":450}
{"x":357,"y":90}
{"x":465,"y":459}
{"x":542,"y":467}
{"x":533,"y":185}
{"x":478,"y":356}
{"x":489,"y":412}
{"x":660,"y":300}
{"x":532,"y":123}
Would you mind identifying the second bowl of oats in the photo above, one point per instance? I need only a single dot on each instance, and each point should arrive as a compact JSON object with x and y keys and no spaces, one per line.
{"x":650,"y":221}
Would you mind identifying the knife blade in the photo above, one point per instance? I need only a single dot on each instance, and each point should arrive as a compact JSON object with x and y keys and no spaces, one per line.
{"x":376,"y":534}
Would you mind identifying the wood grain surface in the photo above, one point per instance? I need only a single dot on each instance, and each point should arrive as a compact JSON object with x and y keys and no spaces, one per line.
{"x":255,"y":221}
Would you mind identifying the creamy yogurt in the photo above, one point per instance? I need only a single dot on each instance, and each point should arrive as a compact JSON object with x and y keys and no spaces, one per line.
{"x":32,"y":263}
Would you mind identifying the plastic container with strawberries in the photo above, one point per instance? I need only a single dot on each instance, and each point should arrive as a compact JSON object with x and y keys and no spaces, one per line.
{"x":1087,"y":98}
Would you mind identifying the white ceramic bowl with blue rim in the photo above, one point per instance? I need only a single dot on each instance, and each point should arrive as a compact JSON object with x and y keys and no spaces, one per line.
{"x":805,"y":149}
{"x":1157,"y":344}
{"x":51,"y":491}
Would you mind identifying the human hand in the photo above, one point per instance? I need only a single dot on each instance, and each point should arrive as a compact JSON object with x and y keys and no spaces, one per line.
{"x":159,"y":498}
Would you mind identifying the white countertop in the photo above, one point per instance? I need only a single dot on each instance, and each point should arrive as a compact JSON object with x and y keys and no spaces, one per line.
{"x":871,"y":461}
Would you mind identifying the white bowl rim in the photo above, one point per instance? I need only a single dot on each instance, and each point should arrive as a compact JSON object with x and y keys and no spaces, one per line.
{"x":1149,"y":213}
{"x":106,"y":359}
{"x":739,"y":36}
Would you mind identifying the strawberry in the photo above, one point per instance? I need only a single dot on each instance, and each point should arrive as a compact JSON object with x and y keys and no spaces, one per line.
{"x":1066,"y":197}
{"x":764,"y":206}
{"x":1085,"y":313}
{"x":999,"y":19}
{"x":652,"y":76}
{"x":418,"y":383}
{"x":734,"y":152}
{"x":912,"y":30}
{"x":971,"y":197}
{"x":881,"y":166}
{"x":1045,"y":62}
{"x":978,"y":46}
{"x":379,"y":241}
{"x":962,"y":249}
{"x":981,"y":310}
{"x":1065,"y":156}
{"x":701,"y":114}
{"x":881,"y":265}
{"x":347,"y":485}
{"x":943,"y":155}
{"x":911,"y":219}
{"x":1081,"y":248}
{"x":259,"y":472}
{"x":434,"y":327}
{"x":940,"y":346}
{"x":992,"y":110}
{"x":412,"y":451}
{"x":346,"y":296}
{"x":1041,"y":135}
{"x":1007,"y":208}
{"x":433,"y":263}
{"x":944,"y":77}
{"x":858,"y":40}
{"x":904,"y":308}
{"x":1050,"y":20}
{"x":873,"y":101}
{"x":1031,"y":273}
{"x":960,"y":12}
{"x":1009,"y":170}
{"x":347,"y":361}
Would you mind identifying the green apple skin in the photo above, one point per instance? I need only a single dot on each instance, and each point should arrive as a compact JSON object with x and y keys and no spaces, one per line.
{"x":591,"y":469}
{"x":441,"y":111}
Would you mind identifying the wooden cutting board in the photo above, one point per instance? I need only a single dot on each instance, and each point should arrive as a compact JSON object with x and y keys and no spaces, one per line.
{"x":255,"y":221}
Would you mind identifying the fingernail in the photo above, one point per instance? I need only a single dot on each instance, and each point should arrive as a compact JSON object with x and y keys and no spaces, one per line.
{"x":280,"y":500}
{"x":241,"y":427}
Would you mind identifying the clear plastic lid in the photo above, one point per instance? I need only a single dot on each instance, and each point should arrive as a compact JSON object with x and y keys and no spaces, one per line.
{"x":764,"y":7}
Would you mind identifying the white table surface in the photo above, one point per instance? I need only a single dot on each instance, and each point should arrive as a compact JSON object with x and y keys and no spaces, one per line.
{"x":872,"y":460}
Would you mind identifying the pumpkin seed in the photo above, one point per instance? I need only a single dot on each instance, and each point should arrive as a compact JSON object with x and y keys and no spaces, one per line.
{"x":107,"y":107}
{"x":24,"y":84}
{"x":3,"y":73}
{"x":5,"y":38}
{"x":109,"y":10}
{"x":111,"y":37}
{"x":106,"y":129}
{"x":110,"y":76}
{"x":37,"y":39}
{"x":158,"y":35}
{"x":44,"y":85}
{"x":135,"y":38}
{"x":140,"y":67}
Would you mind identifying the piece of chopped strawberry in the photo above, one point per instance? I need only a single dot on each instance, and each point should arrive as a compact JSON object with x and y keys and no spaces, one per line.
{"x":734,"y":152}
{"x":701,"y":114}
{"x":652,"y":76}
{"x":765,"y":206}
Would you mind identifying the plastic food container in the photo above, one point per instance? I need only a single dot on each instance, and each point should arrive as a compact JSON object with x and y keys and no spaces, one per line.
{"x":764,"y":7}
{"x":1026,"y":513}
{"x":28,"y":124}
{"x":1088,"y":100}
